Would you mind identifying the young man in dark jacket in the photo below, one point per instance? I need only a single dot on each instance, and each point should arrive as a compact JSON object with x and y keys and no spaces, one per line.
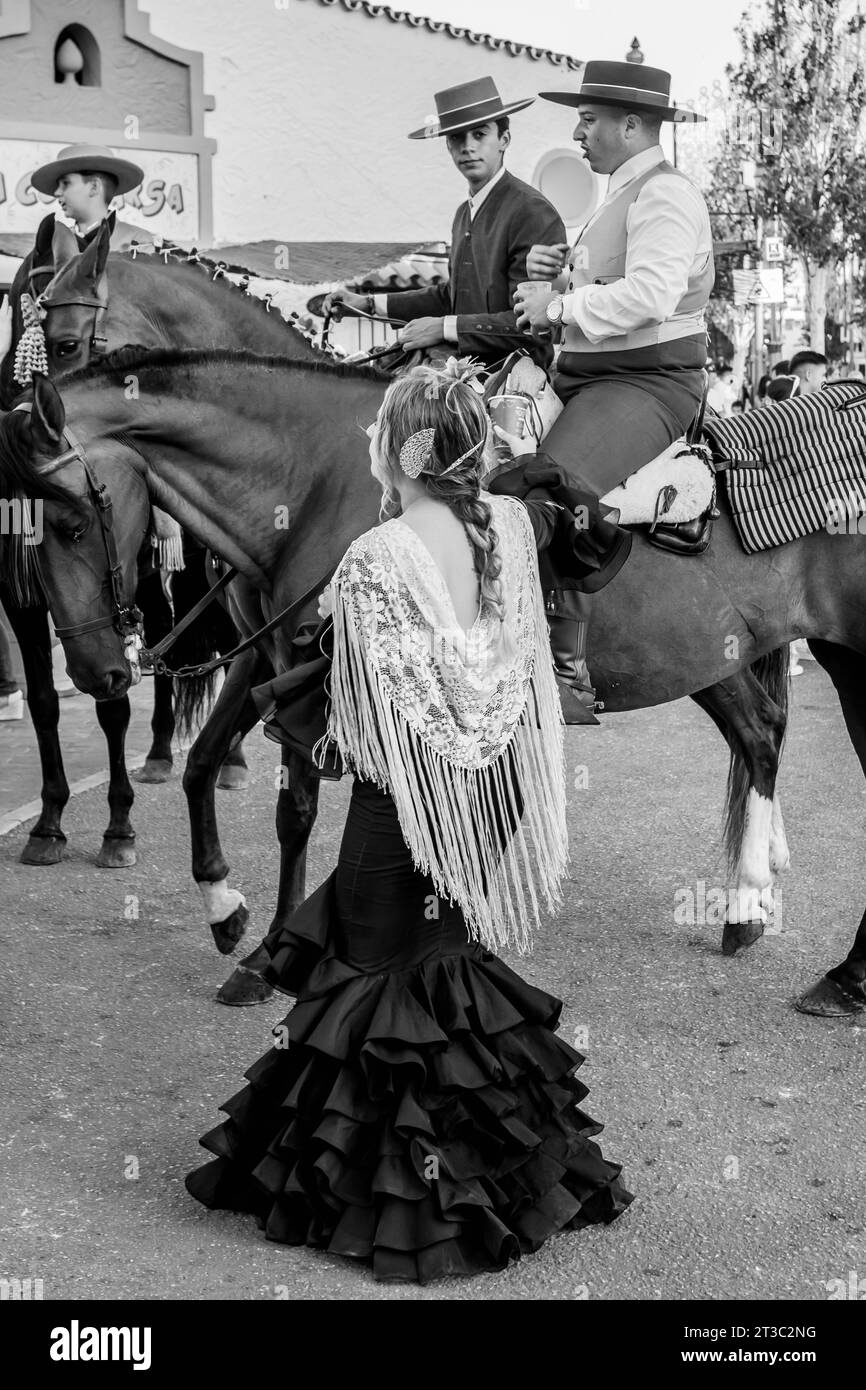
{"x":490,"y":237}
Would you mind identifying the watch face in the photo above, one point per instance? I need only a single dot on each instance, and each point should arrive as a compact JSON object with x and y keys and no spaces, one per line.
{"x":554,"y":309}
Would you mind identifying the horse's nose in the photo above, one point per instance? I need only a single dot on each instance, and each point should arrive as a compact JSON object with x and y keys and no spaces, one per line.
{"x":113,"y":684}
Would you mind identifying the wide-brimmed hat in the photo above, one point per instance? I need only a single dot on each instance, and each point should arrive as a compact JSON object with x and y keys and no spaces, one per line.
{"x":460,"y":108}
{"x":79,"y":159}
{"x":625,"y":84}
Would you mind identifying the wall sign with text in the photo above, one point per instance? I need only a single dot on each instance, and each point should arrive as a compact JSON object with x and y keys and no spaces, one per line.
{"x":165,"y":203}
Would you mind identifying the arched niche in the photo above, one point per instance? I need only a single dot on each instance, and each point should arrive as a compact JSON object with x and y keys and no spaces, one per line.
{"x":86,"y":69}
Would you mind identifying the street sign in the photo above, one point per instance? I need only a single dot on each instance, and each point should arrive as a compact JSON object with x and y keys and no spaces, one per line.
{"x":774,"y":248}
{"x":764,"y":285}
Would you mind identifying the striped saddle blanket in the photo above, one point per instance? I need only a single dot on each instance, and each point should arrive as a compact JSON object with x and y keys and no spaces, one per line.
{"x":796,"y":467}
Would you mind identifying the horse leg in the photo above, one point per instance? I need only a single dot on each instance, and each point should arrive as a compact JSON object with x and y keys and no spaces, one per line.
{"x":234,"y":773}
{"x":843,"y":989}
{"x":755,"y":726}
{"x":46,"y":840}
{"x":153,"y":603}
{"x":780,"y":855}
{"x":297,"y":804}
{"x":233,"y":711}
{"x":118,"y":842}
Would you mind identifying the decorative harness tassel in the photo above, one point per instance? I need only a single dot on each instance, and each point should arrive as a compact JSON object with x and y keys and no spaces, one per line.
{"x":30,"y":355}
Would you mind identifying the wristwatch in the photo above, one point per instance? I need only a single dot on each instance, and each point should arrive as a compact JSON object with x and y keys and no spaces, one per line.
{"x":554,"y":309}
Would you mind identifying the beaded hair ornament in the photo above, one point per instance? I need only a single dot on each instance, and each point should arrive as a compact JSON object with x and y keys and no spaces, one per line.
{"x":417,"y":453}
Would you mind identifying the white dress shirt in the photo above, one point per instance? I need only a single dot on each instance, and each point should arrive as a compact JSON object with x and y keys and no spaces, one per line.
{"x":669,"y":238}
{"x":475,"y":200}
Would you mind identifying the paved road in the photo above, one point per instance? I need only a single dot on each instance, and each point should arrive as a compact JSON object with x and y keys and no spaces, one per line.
{"x":740,"y":1122}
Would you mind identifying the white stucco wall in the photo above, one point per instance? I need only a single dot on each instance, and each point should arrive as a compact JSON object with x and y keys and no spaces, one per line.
{"x":313,"y":108}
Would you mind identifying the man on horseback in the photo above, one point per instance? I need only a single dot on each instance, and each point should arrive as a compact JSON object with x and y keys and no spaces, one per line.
{"x":490,"y":238}
{"x":630,"y":305}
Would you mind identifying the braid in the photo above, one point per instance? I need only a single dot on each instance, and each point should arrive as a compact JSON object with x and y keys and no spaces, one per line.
{"x":460,"y":494}
{"x":446,"y":403}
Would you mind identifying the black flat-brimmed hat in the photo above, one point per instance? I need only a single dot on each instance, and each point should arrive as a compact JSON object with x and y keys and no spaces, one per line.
{"x":631,"y":85}
{"x":85,"y":159}
{"x":460,"y":108}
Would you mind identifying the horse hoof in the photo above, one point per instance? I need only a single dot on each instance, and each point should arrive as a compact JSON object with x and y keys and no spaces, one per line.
{"x":40,"y":851}
{"x":244,"y":987}
{"x":154,"y":770}
{"x":827,"y":999}
{"x":116,"y":854}
{"x":740,"y":934}
{"x":229,"y":931}
{"x":233,"y":778}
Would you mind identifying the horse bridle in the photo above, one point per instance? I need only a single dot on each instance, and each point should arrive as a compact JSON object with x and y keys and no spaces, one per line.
{"x":98,"y":343}
{"x":126,"y":618}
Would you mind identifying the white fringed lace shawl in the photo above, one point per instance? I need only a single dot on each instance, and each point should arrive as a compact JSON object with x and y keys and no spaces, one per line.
{"x":458,"y":727}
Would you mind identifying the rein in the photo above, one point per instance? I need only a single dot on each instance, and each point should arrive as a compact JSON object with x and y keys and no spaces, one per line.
{"x":384,"y":350}
{"x":151,"y":657}
{"x":126,"y":618}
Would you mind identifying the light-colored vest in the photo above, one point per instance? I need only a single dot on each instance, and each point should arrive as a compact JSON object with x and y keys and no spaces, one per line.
{"x":598,"y":258}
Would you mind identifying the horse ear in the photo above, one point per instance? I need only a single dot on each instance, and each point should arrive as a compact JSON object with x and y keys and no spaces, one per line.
{"x":64,"y":246}
{"x":48,"y":416}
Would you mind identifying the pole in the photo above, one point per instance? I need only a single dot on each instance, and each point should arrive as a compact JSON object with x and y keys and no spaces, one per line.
{"x":758,"y":340}
{"x":758,"y":351}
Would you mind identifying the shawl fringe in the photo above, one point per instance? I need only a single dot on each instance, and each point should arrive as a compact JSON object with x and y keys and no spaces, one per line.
{"x":455,"y":818}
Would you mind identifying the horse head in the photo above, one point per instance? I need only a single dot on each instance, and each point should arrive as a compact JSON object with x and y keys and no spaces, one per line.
{"x":75,"y":301}
{"x":71,"y":545}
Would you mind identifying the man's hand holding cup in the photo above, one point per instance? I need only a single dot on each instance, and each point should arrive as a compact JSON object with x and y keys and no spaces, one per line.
{"x":531,"y":299}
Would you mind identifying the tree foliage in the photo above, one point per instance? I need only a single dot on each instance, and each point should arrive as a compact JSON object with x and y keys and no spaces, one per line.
{"x":797,"y":99}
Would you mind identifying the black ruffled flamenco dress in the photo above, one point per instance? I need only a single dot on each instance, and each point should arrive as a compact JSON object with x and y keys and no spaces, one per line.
{"x":419,"y":1112}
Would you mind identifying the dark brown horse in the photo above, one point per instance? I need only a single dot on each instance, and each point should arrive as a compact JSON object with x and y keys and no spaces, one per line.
{"x":226,"y":441}
{"x":153,"y":301}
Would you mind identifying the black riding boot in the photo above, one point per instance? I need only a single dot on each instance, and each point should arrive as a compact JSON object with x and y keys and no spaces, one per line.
{"x":568,"y":614}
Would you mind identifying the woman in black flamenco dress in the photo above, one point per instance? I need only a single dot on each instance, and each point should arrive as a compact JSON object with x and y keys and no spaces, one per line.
{"x":418,"y":1112}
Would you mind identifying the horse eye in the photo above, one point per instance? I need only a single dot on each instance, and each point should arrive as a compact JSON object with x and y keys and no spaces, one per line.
{"x":66,"y":347}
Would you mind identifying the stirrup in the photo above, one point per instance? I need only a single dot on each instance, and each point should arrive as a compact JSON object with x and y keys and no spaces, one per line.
{"x":576,"y":708}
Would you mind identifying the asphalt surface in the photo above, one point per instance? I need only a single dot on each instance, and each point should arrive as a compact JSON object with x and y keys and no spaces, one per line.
{"x":741,"y":1124}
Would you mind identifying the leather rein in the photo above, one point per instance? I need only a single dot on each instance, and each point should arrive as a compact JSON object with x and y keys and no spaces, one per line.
{"x":375,"y":354}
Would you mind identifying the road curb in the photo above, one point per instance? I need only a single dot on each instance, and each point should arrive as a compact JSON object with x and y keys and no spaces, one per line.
{"x":13,"y":819}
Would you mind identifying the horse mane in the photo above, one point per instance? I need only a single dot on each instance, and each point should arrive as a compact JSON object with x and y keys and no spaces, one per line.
{"x":132,"y":358}
{"x":175,"y":260}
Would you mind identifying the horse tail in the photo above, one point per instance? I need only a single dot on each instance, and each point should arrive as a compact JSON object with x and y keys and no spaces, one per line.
{"x":772,"y":672}
{"x":212,"y":633}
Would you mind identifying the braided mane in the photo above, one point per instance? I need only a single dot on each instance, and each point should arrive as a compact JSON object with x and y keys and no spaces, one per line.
{"x":219,"y":271}
{"x":133,"y":357}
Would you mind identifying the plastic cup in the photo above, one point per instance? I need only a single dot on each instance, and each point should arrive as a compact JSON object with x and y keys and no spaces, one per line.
{"x":509,"y":413}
